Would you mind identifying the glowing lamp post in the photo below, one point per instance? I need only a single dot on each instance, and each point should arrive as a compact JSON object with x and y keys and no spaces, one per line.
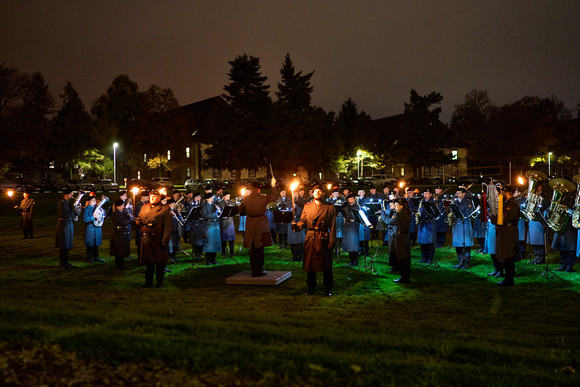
{"x":115,"y":145}
{"x":293,"y":186}
{"x":549,"y":159}
{"x":358,"y":155}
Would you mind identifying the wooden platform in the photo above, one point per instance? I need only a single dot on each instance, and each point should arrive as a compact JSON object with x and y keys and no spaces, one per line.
{"x":272,"y":278}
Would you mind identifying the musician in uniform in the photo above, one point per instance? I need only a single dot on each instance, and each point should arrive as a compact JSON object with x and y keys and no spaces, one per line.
{"x":411,"y":196}
{"x":537,"y":232}
{"x":93,"y":230}
{"x":565,"y":242}
{"x":350,"y":239}
{"x":479,"y":224}
{"x":337,"y":201}
{"x":227,"y":227}
{"x":441,"y":224}
{"x":26,"y":211}
{"x":156,"y":223}
{"x":258,"y":234}
{"x":120,"y":245}
{"x":64,"y":228}
{"x":462,"y":230}
{"x":427,"y":229}
{"x":507,"y":236}
{"x":196,"y":225}
{"x":178,"y":223}
{"x":320,"y":219}
{"x":296,"y":239}
{"x":399,"y":243}
{"x":283,"y":203}
{"x":364,"y":230}
{"x":144,"y":199}
{"x":374,"y":197}
{"x":212,"y":242}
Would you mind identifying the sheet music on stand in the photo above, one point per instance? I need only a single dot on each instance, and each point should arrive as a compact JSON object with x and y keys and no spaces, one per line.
{"x":282,"y":216}
{"x":229,"y":211}
{"x":194,"y":214}
{"x":363,"y":218}
{"x":457,"y":212}
{"x":432,"y":210}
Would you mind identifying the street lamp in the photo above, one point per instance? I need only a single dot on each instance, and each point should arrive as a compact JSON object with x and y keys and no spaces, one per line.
{"x":549,"y":157}
{"x":358,"y":154}
{"x":115,"y":145}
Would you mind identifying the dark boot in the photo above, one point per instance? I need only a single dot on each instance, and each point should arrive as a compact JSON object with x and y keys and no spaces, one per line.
{"x":561,"y":268}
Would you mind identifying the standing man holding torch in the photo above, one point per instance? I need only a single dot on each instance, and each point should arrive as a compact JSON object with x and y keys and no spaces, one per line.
{"x":320,"y":219}
{"x":26,"y":206}
{"x":258,"y":233}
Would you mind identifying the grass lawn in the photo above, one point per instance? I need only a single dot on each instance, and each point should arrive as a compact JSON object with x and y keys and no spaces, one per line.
{"x":93,"y":325}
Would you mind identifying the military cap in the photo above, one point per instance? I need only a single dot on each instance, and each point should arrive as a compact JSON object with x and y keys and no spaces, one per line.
{"x":318,"y":186}
{"x":509,"y":189}
{"x":208,"y":195}
{"x":170,"y":200}
{"x":119,"y":202}
{"x":196,"y":194}
{"x":66,"y":191}
{"x":121,"y":193}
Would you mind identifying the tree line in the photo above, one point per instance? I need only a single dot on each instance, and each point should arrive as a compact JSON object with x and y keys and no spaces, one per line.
{"x":255,"y":130}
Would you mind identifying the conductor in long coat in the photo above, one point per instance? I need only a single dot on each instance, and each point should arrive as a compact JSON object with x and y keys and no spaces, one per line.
{"x":320,"y":219}
{"x":258,"y":233}
{"x":26,"y":207}
{"x":156,"y":223}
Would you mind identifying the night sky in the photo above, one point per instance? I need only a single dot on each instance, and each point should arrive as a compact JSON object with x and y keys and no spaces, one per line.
{"x":373,"y":51}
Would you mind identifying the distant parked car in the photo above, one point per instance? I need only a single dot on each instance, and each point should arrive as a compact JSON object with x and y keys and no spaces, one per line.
{"x":162,"y":182}
{"x":80,"y":185}
{"x":193,"y":185}
{"x":106,"y":185}
{"x":30,"y":185}
{"x":47,"y":185}
{"x":383,"y":179}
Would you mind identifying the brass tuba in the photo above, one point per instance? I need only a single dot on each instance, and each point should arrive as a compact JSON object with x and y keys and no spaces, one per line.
{"x":492,"y":198}
{"x":558,"y":214}
{"x":99,"y":214}
{"x":576,"y":213}
{"x":533,"y":200}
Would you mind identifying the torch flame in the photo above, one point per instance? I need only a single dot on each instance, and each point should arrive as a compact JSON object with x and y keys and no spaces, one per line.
{"x":293,"y":186}
{"x":243,"y":191}
{"x":135,"y":190}
{"x":521,"y":180}
{"x":328,"y":186}
{"x":10,"y":193}
{"x":401,"y":184}
{"x":163,"y":191}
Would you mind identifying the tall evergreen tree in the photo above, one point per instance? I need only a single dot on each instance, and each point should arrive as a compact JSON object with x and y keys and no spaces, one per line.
{"x":244,"y":138}
{"x":424,"y":133}
{"x":302,"y":129}
{"x":73,"y":130}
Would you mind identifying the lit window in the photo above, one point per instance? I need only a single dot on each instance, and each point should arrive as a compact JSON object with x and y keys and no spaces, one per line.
{"x":168,"y":155}
{"x":139,"y":175}
{"x":144,"y":157}
{"x":187,"y":152}
{"x":402,"y":171}
{"x":453,"y":155}
{"x":187,"y":171}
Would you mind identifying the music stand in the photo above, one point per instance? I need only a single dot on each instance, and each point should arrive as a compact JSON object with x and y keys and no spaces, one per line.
{"x":547,"y":273}
{"x":193,"y":215}
{"x":283,"y":217}
{"x":229,"y":212}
